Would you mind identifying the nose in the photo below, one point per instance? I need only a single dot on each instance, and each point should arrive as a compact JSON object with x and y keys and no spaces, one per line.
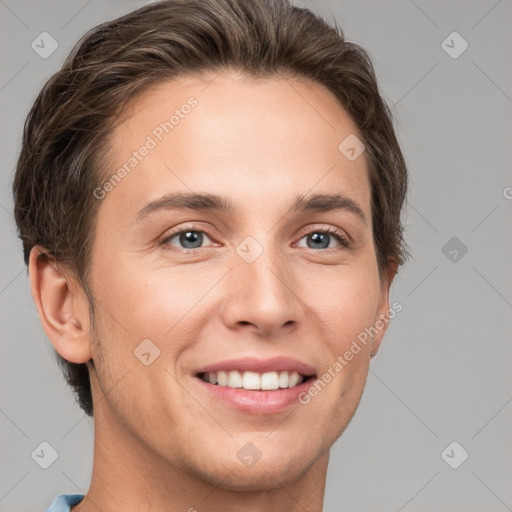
{"x":261,"y":296}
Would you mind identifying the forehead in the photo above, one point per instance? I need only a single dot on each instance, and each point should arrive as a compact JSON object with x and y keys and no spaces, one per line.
{"x":231,"y":135}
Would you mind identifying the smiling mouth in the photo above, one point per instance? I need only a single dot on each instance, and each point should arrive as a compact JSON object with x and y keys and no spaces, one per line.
{"x":254,"y":381}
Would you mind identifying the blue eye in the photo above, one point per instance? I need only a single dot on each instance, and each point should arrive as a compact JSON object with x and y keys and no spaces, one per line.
{"x":189,"y":238}
{"x":192,"y":239}
{"x":321,"y":238}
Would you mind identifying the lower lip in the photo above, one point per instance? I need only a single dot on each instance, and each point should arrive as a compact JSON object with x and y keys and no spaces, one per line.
{"x":257,"y":402}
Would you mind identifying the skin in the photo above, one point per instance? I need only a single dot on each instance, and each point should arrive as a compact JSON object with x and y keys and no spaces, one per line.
{"x":161,"y":442}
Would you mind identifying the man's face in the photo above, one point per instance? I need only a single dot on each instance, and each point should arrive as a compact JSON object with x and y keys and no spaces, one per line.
{"x":257,"y":282}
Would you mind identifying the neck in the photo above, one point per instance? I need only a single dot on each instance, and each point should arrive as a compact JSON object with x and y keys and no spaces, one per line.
{"x":129,"y":476}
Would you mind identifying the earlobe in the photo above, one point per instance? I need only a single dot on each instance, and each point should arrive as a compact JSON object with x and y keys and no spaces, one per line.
{"x":62,"y":307}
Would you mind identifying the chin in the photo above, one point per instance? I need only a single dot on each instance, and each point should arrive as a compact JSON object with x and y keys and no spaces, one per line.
{"x":273,"y":470}
{"x":262,"y":477}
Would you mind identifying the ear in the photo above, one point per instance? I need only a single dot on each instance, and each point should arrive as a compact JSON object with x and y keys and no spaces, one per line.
{"x":383,"y":316}
{"x":62,"y":305}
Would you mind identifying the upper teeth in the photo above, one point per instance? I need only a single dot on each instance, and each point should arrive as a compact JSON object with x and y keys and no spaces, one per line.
{"x":253,"y":380}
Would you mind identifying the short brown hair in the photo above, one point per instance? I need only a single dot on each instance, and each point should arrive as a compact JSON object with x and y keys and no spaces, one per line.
{"x":65,"y":142}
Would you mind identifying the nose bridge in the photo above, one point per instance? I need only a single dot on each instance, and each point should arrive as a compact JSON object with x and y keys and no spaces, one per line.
{"x":262,"y":287}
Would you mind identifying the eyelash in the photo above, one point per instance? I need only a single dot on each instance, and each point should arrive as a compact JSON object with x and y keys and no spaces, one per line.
{"x":340,"y":237}
{"x":334,"y":232}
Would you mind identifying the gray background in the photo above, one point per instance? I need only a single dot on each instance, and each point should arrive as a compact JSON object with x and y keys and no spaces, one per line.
{"x":443,"y":372}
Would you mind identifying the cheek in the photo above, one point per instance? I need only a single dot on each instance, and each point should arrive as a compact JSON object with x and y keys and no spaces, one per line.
{"x":347,"y":301}
{"x":161,"y":305}
{"x":345,"y":308}
{"x":138,"y":299}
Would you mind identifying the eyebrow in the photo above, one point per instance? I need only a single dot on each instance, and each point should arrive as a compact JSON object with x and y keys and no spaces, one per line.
{"x":213,"y":202}
{"x":181,"y":200}
{"x":327,"y":202}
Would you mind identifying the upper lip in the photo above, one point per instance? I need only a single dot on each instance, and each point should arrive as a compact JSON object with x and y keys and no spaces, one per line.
{"x":280,"y":363}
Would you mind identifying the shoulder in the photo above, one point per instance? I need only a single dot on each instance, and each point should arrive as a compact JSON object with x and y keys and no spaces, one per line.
{"x":62,"y":502}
